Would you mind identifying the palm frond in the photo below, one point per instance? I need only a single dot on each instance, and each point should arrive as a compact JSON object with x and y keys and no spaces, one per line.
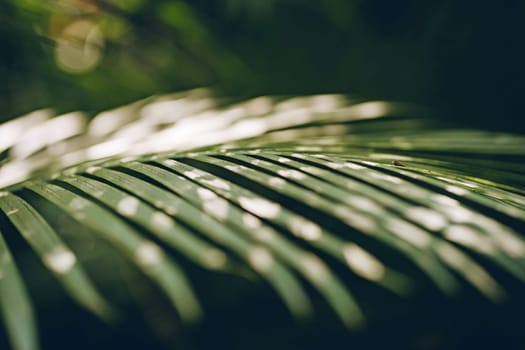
{"x":314,"y":190}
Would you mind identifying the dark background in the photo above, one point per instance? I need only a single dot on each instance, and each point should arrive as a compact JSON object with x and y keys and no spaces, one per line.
{"x":463,"y":58}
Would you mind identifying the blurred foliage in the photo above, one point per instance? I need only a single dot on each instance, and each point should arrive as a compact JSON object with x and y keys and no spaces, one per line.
{"x":463,"y":58}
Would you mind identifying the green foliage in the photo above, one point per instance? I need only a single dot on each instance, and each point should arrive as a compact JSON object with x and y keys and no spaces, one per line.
{"x":322,"y":200}
{"x":194,"y":219}
{"x":462,"y":58}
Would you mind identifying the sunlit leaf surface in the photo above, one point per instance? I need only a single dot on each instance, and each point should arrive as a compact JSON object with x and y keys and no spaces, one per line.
{"x":305,"y":193}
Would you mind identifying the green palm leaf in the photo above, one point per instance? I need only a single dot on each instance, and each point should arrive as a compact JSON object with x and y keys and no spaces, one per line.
{"x":304,"y":193}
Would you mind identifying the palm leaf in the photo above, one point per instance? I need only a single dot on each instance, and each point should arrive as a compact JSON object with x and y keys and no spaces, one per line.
{"x":305,"y":193}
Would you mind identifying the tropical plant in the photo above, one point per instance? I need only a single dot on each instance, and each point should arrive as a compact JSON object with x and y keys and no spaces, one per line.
{"x":331,"y":207}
